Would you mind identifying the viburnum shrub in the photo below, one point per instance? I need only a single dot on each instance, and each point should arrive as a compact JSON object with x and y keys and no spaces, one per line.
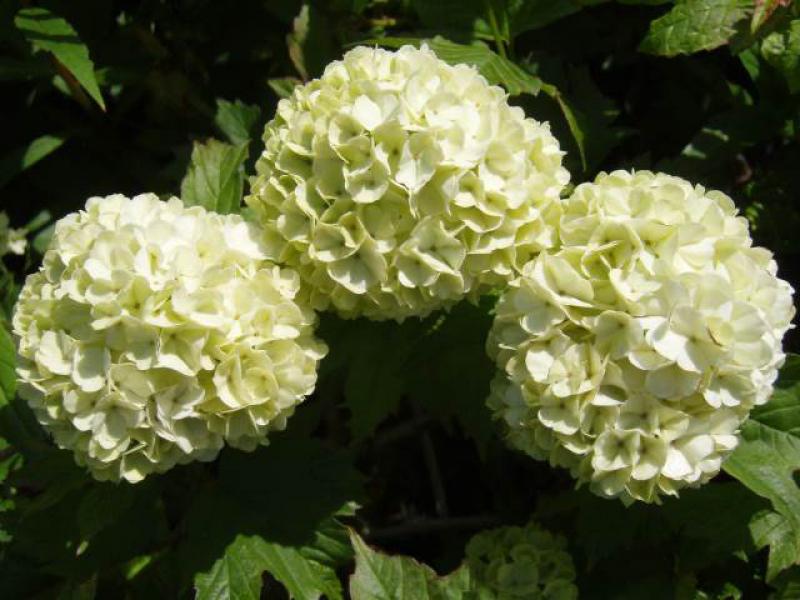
{"x":396,"y":184}
{"x":466,"y":301}
{"x":154,"y":334}
{"x":634,"y":350}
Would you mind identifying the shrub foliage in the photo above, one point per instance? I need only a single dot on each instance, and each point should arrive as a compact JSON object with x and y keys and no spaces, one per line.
{"x":387,"y":471}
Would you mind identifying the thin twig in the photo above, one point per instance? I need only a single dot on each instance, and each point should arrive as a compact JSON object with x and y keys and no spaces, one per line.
{"x":435,"y":474}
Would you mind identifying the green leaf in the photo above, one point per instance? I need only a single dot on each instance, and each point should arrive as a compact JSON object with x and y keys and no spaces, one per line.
{"x":215,"y":178}
{"x":771,"y":529}
{"x":527,"y":15}
{"x":695,"y":25}
{"x":26,"y":156}
{"x":238,"y":574}
{"x":311,"y":44}
{"x":766,"y":460}
{"x":496,"y":69}
{"x":236,"y":120}
{"x":283,"y":86}
{"x":8,"y":376}
{"x":573,"y":119}
{"x":49,"y":32}
{"x":382,"y":577}
{"x":285,"y":500}
{"x":463,"y":18}
{"x":781,"y":49}
{"x":372,"y":389}
{"x":453,"y":371}
{"x":763,"y":11}
{"x":13,"y":69}
{"x":787,"y":585}
{"x":101,"y":506}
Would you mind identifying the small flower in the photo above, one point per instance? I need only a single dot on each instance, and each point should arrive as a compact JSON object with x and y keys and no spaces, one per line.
{"x":396,"y":184}
{"x":154,"y":334}
{"x":633,"y":351}
{"x":521,"y":562}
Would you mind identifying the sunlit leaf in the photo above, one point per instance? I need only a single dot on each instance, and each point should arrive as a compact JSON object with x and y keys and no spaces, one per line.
{"x":28,"y":155}
{"x":215,"y":178}
{"x":237,"y":120}
{"x":49,"y":32}
{"x":766,"y":460}
{"x":695,"y":25}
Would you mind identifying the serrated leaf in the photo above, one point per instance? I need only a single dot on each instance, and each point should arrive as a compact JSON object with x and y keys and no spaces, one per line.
{"x":771,"y":529}
{"x":695,"y":25}
{"x":453,"y":371}
{"x":496,"y":69}
{"x":382,"y":577}
{"x":372,"y":389}
{"x":49,"y":32}
{"x":286,"y":499}
{"x":215,"y":177}
{"x":766,"y":460}
{"x":238,"y":574}
{"x":236,"y":120}
{"x":28,"y":155}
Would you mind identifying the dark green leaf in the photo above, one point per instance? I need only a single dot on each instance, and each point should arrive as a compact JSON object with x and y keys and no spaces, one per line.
{"x":527,"y":15}
{"x":103,"y":505}
{"x":49,"y":32}
{"x":280,"y":503}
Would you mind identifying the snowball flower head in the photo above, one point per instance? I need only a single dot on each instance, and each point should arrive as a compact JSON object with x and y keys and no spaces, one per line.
{"x":513,"y":563}
{"x":633,"y":352}
{"x":12,"y":241}
{"x":153,"y":334}
{"x":396,"y":184}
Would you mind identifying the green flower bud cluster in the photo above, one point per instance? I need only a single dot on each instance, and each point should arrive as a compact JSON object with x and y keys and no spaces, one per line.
{"x":516,"y":563}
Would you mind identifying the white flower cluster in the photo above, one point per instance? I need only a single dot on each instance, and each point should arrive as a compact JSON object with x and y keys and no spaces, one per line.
{"x":153,"y":334}
{"x":512,"y":563}
{"x":396,"y":184}
{"x":12,"y":241}
{"x":635,"y":350}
